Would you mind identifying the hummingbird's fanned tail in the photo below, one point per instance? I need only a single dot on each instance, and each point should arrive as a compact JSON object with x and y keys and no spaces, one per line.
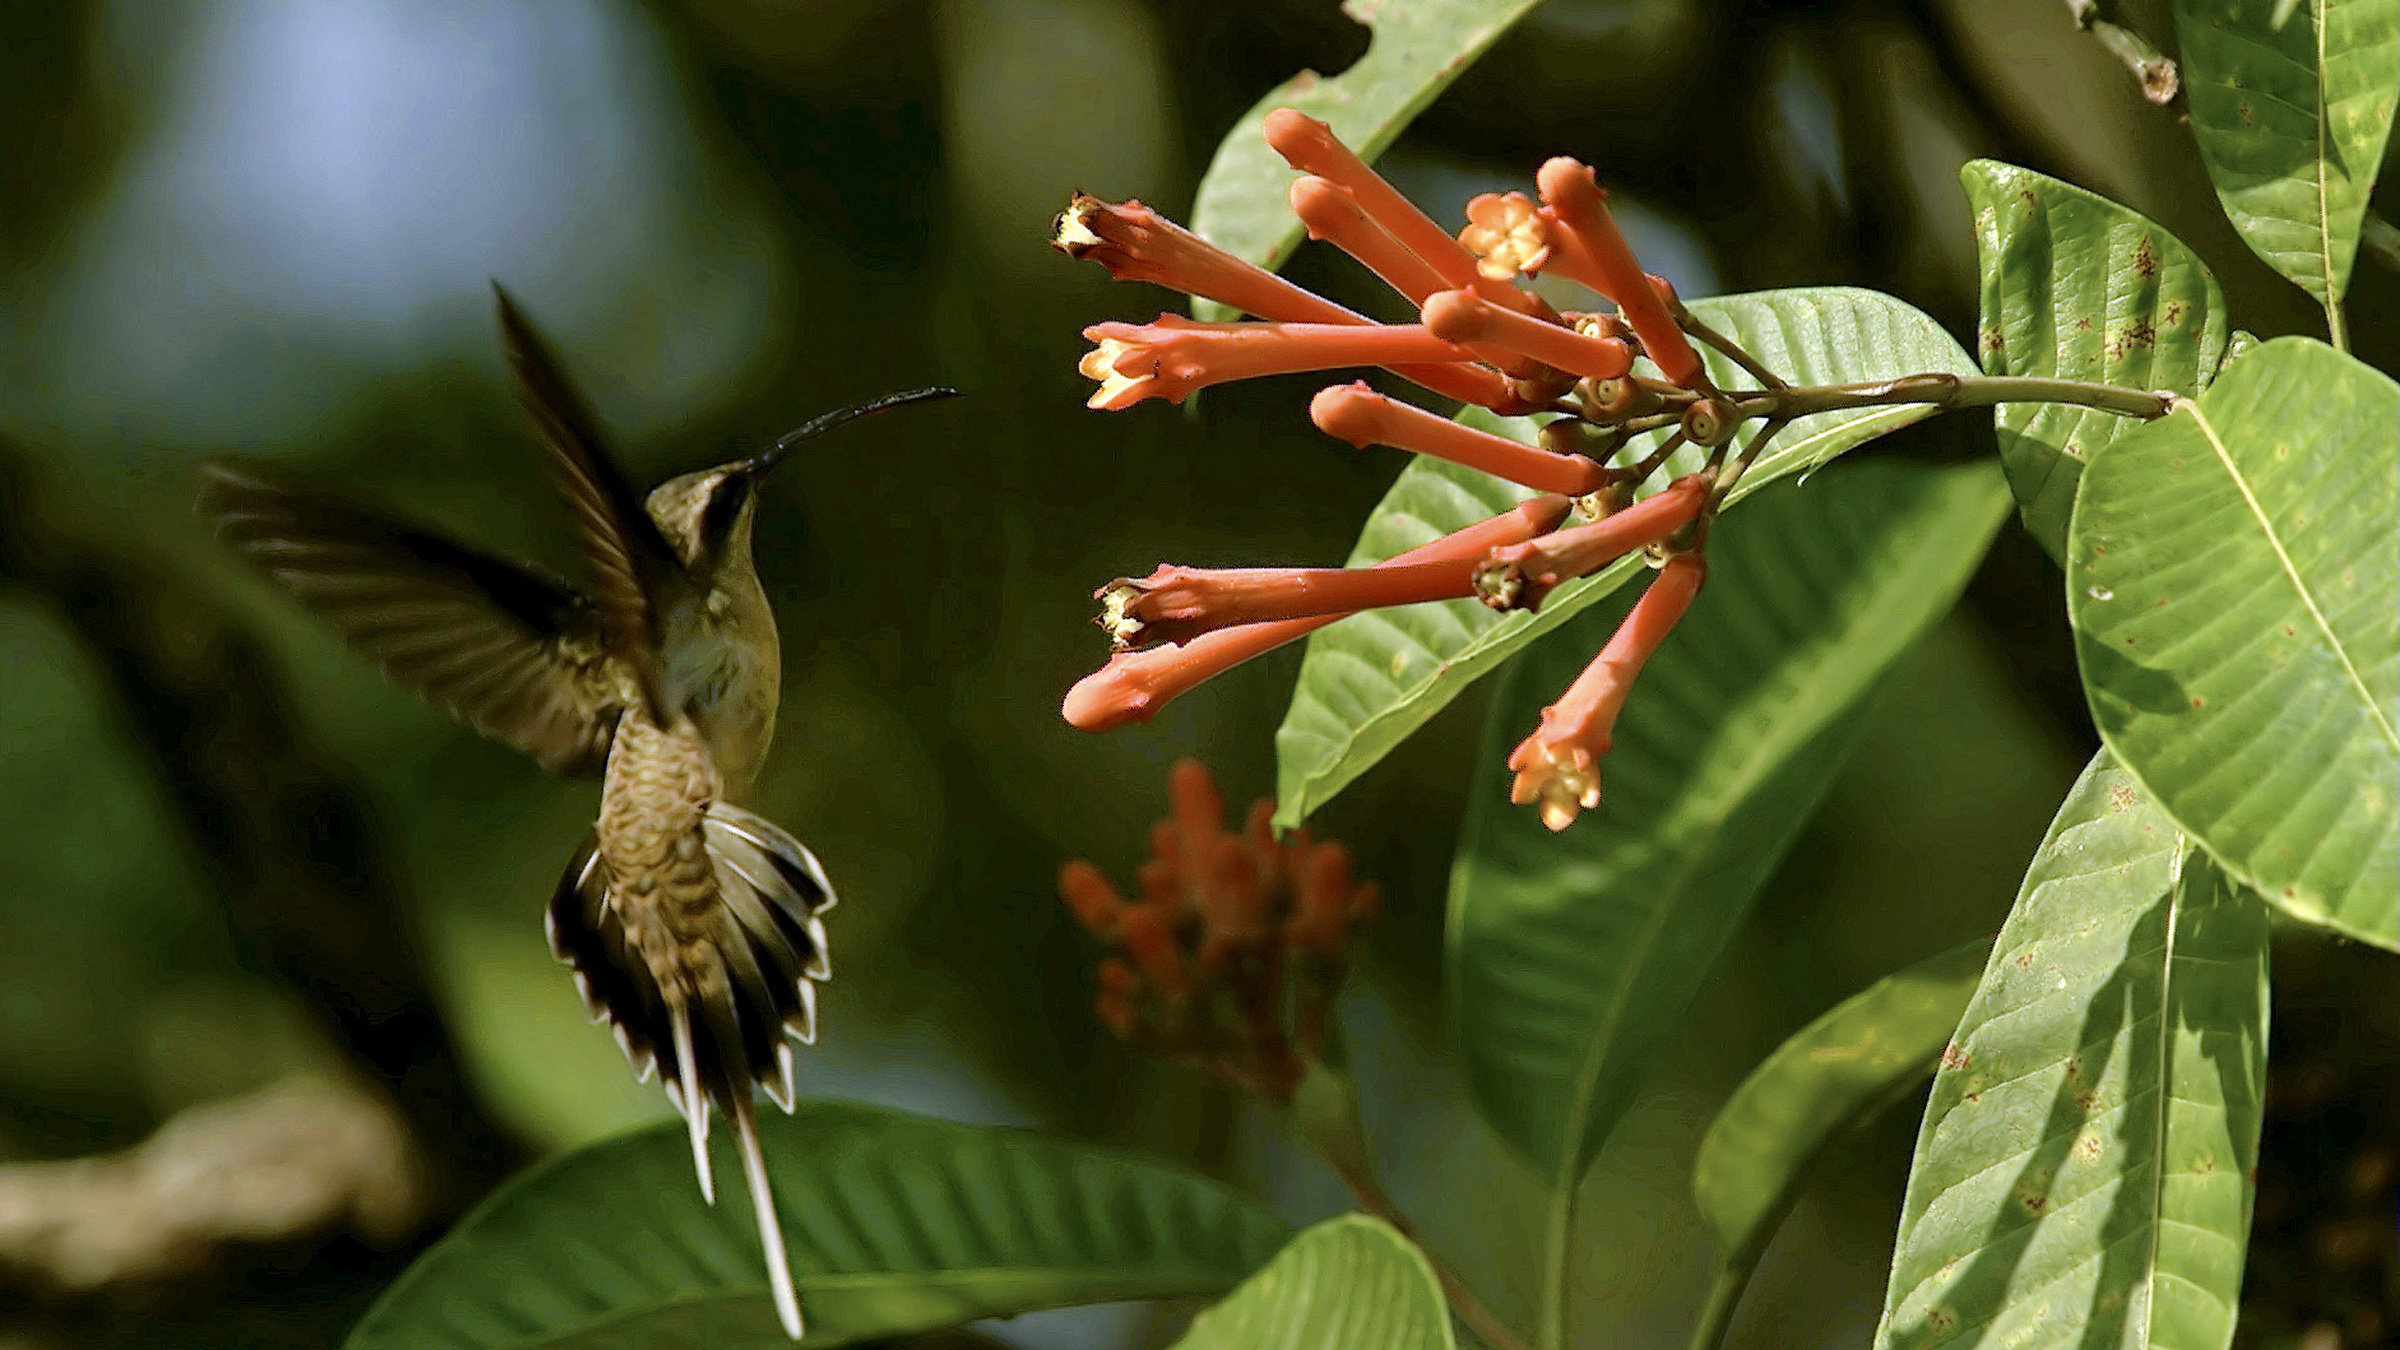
{"x":722,"y":1025}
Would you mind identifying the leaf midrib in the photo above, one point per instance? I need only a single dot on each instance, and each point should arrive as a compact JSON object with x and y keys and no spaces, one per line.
{"x":1170,"y":1282}
{"x":2291,"y":571}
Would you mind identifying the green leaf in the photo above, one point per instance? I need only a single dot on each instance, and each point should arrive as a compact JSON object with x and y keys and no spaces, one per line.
{"x":1416,"y":49}
{"x":1351,"y":1283}
{"x":2291,"y":118}
{"x":1371,"y":680}
{"x":2236,"y":599}
{"x":896,"y":1223}
{"x":1568,"y":953}
{"x":2076,"y":287}
{"x":2082,"y":1174}
{"x":1846,"y":1066}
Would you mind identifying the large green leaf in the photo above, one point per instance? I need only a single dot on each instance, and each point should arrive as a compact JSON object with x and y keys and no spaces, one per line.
{"x":1416,"y":49}
{"x":1369,"y":681}
{"x":1857,"y":1059}
{"x":2236,"y":596}
{"x":2076,"y":287}
{"x":2082,"y":1177}
{"x":2291,"y":117}
{"x":1569,"y":952}
{"x":1351,"y":1283}
{"x":896,"y":1223}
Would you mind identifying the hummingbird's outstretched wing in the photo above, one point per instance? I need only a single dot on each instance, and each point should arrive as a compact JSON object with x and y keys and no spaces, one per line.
{"x":505,"y":648}
{"x":631,"y":566}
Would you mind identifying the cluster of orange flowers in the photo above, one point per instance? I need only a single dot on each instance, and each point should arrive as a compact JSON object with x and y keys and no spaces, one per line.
{"x":1232,"y":949}
{"x":1481,"y":339}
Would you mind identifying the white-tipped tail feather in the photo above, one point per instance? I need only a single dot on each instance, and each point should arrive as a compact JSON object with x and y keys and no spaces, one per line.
{"x":725,"y":1030}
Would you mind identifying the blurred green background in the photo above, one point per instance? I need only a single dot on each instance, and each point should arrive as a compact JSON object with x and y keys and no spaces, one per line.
{"x":262,"y":231}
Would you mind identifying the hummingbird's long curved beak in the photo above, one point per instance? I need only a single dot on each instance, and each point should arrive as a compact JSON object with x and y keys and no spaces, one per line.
{"x":760,"y":464}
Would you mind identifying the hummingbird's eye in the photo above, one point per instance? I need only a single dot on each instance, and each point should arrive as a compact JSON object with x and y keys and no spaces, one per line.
{"x":724,"y":506}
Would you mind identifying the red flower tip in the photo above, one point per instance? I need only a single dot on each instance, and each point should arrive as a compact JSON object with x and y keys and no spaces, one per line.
{"x":1094,"y":902}
{"x":1467,"y":318}
{"x":1587,"y":247}
{"x":1506,"y":234}
{"x":1359,"y":415}
{"x":1558,"y":766}
{"x":1174,"y":356}
{"x":1149,"y":936}
{"x":1521,"y":576}
{"x":1136,"y":243}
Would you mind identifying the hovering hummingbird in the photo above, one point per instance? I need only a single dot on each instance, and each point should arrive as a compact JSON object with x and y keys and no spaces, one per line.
{"x":691,"y":924}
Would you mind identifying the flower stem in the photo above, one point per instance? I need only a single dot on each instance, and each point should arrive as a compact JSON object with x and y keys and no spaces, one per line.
{"x":1732,"y":350}
{"x":1326,"y":1107}
{"x":1945,"y":390}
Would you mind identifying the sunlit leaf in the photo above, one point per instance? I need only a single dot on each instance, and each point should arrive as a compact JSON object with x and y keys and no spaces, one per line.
{"x":2076,"y":287}
{"x":1369,"y":681}
{"x":1351,"y":1283}
{"x":1858,"y":1058}
{"x":897,"y":1224}
{"x":1416,"y":49}
{"x":2236,"y":596}
{"x":2082,"y":1176}
{"x":1570,"y":952}
{"x":2291,"y":105}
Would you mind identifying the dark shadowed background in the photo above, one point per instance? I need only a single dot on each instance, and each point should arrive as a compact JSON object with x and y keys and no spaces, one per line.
{"x":262,"y":232}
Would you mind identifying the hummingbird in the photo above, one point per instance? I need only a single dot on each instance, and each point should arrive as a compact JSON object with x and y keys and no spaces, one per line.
{"x":692,"y":925}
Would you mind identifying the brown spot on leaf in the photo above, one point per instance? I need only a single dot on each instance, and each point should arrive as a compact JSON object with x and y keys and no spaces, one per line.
{"x":2033,"y":1201}
{"x":2172,"y":311}
{"x":2145,"y":256}
{"x":2088,"y":1148}
{"x":2083,"y":325}
{"x":1954,"y":1058}
{"x":2087,"y":1101}
{"x":2121,"y":797}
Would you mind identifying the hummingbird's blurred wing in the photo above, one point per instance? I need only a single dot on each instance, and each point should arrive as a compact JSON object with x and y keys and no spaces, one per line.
{"x":630,"y":563}
{"x":505,"y":648}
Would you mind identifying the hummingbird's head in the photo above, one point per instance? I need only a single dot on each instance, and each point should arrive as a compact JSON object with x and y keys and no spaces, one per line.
{"x":707,"y":515}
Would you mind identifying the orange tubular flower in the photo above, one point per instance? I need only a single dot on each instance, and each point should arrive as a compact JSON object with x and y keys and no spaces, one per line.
{"x":1311,"y":147}
{"x":1586,"y":246}
{"x":1361,"y":416}
{"x":1135,"y":685}
{"x":1175,"y":356}
{"x":1558,"y":766}
{"x":1135,"y":243}
{"x":1332,"y":214}
{"x":1468,"y":319}
{"x":1177,"y":604}
{"x":1521,"y":576}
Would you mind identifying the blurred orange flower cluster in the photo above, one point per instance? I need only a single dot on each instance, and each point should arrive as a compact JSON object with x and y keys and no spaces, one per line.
{"x":1231,"y":951}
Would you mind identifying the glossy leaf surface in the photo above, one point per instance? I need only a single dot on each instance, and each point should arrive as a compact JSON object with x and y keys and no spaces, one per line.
{"x":1840,"y":1069}
{"x":2235,"y":588}
{"x":1568,"y":952}
{"x":2076,"y":287}
{"x":897,"y":1224}
{"x":2082,"y":1176}
{"x":1351,"y":1283}
{"x":2291,"y":105}
{"x":1370,"y":680}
